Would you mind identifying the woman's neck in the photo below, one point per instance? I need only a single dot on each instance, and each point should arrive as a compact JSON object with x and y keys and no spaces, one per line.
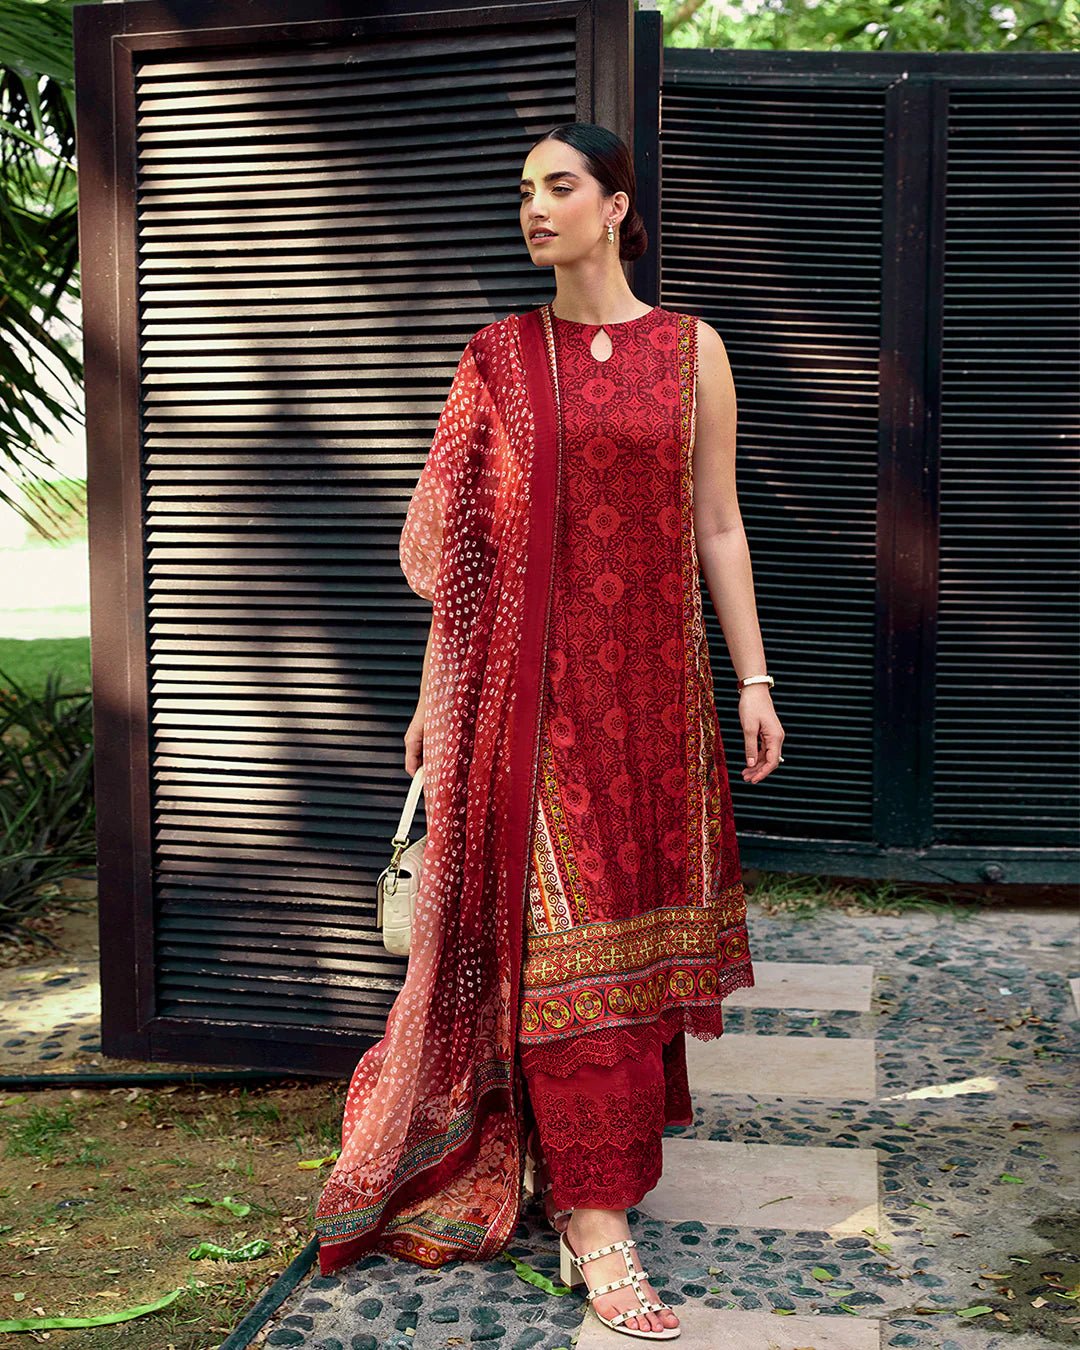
{"x":609,"y":300}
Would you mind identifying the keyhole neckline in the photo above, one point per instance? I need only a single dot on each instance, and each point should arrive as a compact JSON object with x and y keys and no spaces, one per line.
{"x":620,"y":323}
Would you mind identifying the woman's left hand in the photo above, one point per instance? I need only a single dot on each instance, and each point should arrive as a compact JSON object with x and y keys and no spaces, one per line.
{"x":762,"y":732}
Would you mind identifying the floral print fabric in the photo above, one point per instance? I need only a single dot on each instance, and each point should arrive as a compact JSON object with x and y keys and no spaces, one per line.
{"x":636,"y":911}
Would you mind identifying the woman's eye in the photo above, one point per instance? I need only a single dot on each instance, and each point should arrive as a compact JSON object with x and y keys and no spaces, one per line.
{"x":526,"y":195}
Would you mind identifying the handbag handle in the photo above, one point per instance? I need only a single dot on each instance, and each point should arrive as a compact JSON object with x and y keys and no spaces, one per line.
{"x":401,"y":838}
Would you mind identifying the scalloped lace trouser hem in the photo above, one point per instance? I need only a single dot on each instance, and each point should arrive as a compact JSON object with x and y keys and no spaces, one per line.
{"x":601,"y":1126}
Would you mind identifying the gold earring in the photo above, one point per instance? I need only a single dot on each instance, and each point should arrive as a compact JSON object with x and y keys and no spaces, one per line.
{"x":610,"y":232}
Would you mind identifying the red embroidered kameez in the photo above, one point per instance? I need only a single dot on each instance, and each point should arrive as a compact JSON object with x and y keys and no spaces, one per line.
{"x":635,"y":921}
{"x":611,"y":837}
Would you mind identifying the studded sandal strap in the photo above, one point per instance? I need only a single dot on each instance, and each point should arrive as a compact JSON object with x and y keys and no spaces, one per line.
{"x":636,"y":1276}
{"x":632,"y":1277}
{"x":623,"y":1245}
{"x":620,"y":1318}
{"x":647,"y":1305}
{"x":607,"y":1288}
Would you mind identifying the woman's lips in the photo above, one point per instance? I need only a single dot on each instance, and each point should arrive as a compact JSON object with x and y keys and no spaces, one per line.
{"x":543,"y":238}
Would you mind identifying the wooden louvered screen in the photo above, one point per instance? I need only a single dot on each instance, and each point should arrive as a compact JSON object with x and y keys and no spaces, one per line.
{"x":291,"y":229}
{"x":1007,"y":718}
{"x":784,"y":260}
{"x":888,"y":246}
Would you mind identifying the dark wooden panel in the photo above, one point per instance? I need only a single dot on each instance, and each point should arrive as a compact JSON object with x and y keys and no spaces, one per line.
{"x":1007,"y":725}
{"x":888,"y":246}
{"x":303,"y":216}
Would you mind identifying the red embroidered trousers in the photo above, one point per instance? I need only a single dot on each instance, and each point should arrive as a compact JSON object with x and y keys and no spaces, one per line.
{"x":600,"y":1126}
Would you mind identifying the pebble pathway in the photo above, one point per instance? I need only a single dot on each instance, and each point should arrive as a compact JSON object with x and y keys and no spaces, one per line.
{"x":859,"y":1216}
{"x":856,"y":1121}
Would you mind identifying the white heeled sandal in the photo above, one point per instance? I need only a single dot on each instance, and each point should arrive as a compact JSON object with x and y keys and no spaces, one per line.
{"x":570,"y":1269}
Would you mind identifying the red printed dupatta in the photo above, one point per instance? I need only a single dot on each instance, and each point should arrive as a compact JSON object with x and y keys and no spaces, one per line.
{"x":432,"y":1149}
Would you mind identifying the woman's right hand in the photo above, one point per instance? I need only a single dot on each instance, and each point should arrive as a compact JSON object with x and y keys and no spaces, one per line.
{"x":414,"y":743}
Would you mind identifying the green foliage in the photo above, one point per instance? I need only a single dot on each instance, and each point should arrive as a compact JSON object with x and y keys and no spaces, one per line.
{"x":874,"y":25}
{"x":45,"y":1134}
{"x":46,"y":794}
{"x":38,"y":247}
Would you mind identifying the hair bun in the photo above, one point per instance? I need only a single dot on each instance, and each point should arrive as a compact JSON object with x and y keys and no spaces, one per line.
{"x":633,"y":236}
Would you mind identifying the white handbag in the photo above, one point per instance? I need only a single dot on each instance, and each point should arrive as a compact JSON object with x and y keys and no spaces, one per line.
{"x":399,"y":881}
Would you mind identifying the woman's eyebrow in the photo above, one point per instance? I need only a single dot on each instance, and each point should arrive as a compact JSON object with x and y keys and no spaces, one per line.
{"x":549,"y":177}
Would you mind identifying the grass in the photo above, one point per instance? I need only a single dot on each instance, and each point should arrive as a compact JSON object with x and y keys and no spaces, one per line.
{"x":804,"y":896}
{"x":29,"y":661}
{"x":94,"y":1185}
{"x":44,"y":1134}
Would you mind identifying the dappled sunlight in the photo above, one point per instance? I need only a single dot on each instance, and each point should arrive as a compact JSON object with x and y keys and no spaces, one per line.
{"x":34,"y":1007}
{"x":958,"y":1089}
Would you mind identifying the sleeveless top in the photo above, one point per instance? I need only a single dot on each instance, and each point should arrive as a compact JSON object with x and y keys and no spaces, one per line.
{"x":627,"y":939}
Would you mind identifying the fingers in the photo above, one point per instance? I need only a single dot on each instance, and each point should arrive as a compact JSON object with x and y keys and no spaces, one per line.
{"x":414,"y":751}
{"x":764,"y":742}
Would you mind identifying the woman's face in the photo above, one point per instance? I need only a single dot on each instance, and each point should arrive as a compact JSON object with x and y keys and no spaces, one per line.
{"x":559,"y":195}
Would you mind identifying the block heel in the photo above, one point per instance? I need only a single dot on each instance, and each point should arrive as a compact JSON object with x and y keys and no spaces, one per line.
{"x":571,"y":1275}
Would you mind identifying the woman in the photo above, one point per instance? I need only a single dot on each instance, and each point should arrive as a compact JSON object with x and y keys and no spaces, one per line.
{"x":581,"y":905}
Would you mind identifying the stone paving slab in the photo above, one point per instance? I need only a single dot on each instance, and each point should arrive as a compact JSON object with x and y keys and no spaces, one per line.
{"x":805,"y":984}
{"x":50,"y":1009}
{"x":976,"y":1043}
{"x":703,"y":1330}
{"x":782,"y":1185}
{"x":30,"y":1036}
{"x":783,"y":1066}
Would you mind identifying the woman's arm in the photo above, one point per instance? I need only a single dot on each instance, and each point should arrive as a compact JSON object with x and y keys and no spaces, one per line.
{"x":724,"y":552}
{"x":414,"y":735}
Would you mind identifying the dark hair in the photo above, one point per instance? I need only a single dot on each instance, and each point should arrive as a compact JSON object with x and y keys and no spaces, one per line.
{"x":612,"y":165}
